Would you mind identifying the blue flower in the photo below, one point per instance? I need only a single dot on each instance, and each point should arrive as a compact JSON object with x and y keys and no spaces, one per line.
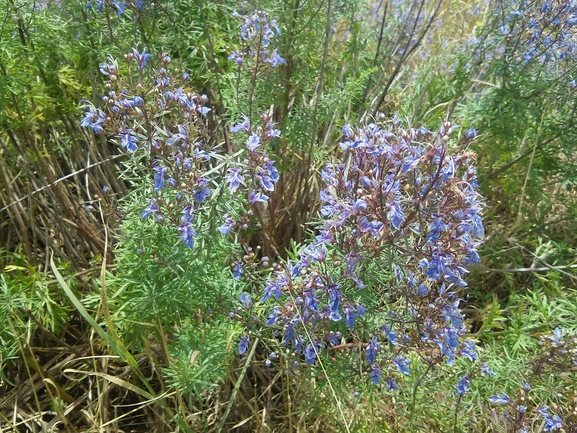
{"x":159,"y":177}
{"x":202,"y":190}
{"x":395,"y":214}
{"x":237,"y":58}
{"x":94,"y":119}
{"x":275,"y":59}
{"x":128,"y":141}
{"x":310,"y":354}
{"x":273,"y":287}
{"x":243,"y":126}
{"x":246,"y":300}
{"x":253,"y":142}
{"x":237,"y":270}
{"x":243,"y":344}
{"x":265,"y":182}
{"x":229,"y":223}
{"x":371,"y":350}
{"x":375,"y":375}
{"x":500,"y":399}
{"x":109,"y":68}
{"x":552,"y":422}
{"x":463,"y":385}
{"x":485,"y":369}
{"x":347,"y":131}
{"x":435,"y":229}
{"x":556,"y":338}
{"x":350,"y":315}
{"x":256,"y":196}
{"x":120,"y":6}
{"x":402,"y":364}
{"x":423,"y":290}
{"x":391,"y":384}
{"x":271,"y":170}
{"x":469,"y":350}
{"x":470,"y":134}
{"x":187,"y":234}
{"x":152,"y":208}
{"x":141,"y":58}
{"x":391,"y":334}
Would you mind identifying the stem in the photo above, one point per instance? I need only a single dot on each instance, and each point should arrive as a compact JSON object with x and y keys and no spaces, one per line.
{"x":237,"y":386}
{"x":414,"y":399}
{"x":457,"y":413}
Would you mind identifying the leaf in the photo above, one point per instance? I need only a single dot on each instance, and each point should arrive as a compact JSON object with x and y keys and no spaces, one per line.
{"x":114,"y":343}
{"x":115,"y":380}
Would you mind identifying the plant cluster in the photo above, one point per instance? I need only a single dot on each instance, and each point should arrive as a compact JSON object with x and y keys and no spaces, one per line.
{"x":401,"y":217}
{"x":557,"y":354}
{"x":159,"y":113}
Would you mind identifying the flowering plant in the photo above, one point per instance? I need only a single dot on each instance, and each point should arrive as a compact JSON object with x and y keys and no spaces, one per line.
{"x":401,"y":222}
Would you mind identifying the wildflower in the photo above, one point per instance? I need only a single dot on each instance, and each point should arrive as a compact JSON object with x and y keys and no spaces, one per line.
{"x":256,"y":196}
{"x":128,"y":141}
{"x":237,"y":58}
{"x":110,"y":69}
{"x":463,"y":385}
{"x":246,"y":300}
{"x":229,"y":223}
{"x":391,"y":384}
{"x":159,"y":177}
{"x":141,"y":58}
{"x":371,"y":350}
{"x":470,"y":134}
{"x":402,"y":364}
{"x":552,"y":422}
{"x":485,"y":369}
{"x":253,"y":143}
{"x":237,"y":270}
{"x":94,"y":118}
{"x":243,"y":344}
{"x":152,"y":208}
{"x":202,"y":190}
{"x":391,"y":334}
{"x":375,"y":375}
{"x":469,"y":350}
{"x":310,"y":354}
{"x":243,"y":126}
{"x":274,"y":60}
{"x":395,"y":214}
{"x":120,"y":7}
{"x":187,"y":234}
{"x":556,"y":338}
{"x":500,"y":399}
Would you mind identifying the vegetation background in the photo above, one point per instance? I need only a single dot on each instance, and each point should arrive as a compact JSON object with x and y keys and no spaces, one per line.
{"x":109,"y":323}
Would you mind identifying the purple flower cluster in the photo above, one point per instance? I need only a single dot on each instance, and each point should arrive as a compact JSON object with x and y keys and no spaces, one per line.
{"x":520,"y":418}
{"x":256,"y":32}
{"x":257,"y":175}
{"x":545,"y":28}
{"x":156,"y":111}
{"x":557,"y":354}
{"x":119,"y":6}
{"x":401,"y":217}
{"x":150,"y":108}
